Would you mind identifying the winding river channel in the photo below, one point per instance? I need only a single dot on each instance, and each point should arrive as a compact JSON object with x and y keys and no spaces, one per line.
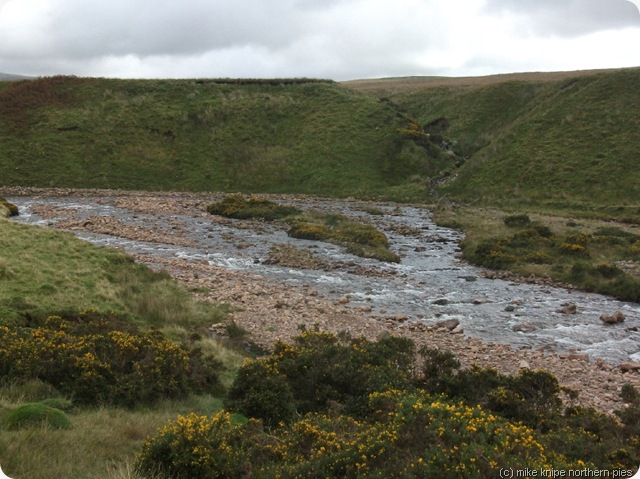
{"x":430,"y":284}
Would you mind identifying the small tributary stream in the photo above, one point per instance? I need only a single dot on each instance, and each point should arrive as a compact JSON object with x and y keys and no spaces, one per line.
{"x":431,"y":283}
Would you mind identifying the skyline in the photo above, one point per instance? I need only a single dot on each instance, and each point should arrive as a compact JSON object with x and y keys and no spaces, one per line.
{"x":335,"y":39}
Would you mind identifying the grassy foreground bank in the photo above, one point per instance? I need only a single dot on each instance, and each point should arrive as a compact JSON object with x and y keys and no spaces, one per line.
{"x":45,"y":272}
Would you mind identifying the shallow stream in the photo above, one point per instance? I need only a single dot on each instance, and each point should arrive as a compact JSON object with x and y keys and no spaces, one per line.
{"x":431,"y":283}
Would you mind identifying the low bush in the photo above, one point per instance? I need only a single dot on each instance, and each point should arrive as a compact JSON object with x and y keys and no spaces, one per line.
{"x":94,"y":358}
{"x":36,"y":415}
{"x":9,"y":207}
{"x":405,"y":435}
{"x":196,"y":447}
{"x":260,"y":391}
{"x":237,"y":206}
{"x":516,"y":221}
{"x":319,"y":369}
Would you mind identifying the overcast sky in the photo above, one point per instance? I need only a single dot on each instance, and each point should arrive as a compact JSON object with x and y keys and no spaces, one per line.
{"x":336,"y":39}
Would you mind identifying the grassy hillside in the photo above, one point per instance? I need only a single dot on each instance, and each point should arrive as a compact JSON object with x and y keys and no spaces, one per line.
{"x":270,"y":136}
{"x":562,"y":140}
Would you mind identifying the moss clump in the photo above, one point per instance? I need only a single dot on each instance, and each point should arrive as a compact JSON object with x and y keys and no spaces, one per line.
{"x":309,"y":231}
{"x":360,"y":239}
{"x":36,"y":415}
{"x":7,"y":209}
{"x":237,"y":206}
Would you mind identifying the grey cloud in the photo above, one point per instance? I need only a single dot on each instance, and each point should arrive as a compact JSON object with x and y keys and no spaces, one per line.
{"x":570,"y":17}
{"x":121,"y":27}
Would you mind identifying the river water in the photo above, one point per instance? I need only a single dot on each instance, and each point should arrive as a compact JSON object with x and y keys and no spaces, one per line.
{"x":430,"y":284}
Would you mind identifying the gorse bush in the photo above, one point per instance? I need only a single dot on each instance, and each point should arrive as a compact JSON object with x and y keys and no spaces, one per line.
{"x":572,"y":258}
{"x":96,"y":358}
{"x":406,"y":435}
{"x":196,"y":447}
{"x":338,"y":407}
{"x":318,"y":370}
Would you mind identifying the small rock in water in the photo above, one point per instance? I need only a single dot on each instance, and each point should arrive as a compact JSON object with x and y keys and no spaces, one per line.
{"x":344,"y":300}
{"x":449,"y":324}
{"x":524,"y":328}
{"x":441,"y":302}
{"x":615,"y":318}
{"x":457,"y":330}
{"x":568,"y":308}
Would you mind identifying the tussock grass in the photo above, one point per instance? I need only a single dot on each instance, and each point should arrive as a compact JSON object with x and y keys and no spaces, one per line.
{"x":44,"y":271}
{"x":102,"y":443}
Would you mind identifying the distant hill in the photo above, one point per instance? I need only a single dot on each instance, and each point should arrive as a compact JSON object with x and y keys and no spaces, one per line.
{"x":567,"y":140}
{"x":9,"y":76}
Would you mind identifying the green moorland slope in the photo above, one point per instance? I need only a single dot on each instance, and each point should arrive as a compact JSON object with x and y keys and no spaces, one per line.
{"x":297,"y":136}
{"x":566,"y":140}
{"x":559,"y":140}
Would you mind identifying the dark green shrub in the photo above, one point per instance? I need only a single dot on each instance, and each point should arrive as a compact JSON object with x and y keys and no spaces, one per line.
{"x":320,"y":369}
{"x":630,"y":414}
{"x":624,"y":287}
{"x":529,"y":237}
{"x":516,"y":221}
{"x":532,"y":397}
{"x":608,"y":270}
{"x":260,"y":392}
{"x":36,"y":415}
{"x":493,"y":254}
{"x":439,"y":369}
{"x":614,"y":236}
